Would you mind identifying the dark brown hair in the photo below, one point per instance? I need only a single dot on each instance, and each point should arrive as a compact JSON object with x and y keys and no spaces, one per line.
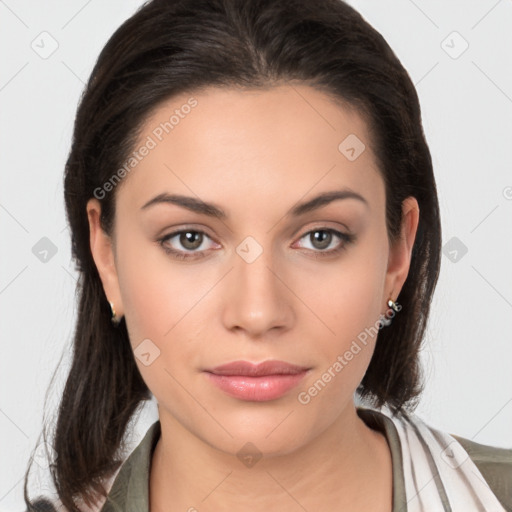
{"x":171,"y":47}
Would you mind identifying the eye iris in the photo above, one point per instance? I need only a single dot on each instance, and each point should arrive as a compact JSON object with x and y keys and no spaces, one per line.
{"x":191,"y":237}
{"x":324,"y":240}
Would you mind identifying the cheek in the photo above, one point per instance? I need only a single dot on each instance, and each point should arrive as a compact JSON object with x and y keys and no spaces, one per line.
{"x":347,"y":296}
{"x":342,"y":358}
{"x":162,"y":303}
{"x":144,"y":293}
{"x":156,"y":291}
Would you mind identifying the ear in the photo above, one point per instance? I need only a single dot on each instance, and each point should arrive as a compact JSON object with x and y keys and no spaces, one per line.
{"x":400,"y":252}
{"x":102,"y":250}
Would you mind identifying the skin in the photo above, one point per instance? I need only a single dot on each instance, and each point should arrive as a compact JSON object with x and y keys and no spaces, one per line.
{"x":256,"y":154}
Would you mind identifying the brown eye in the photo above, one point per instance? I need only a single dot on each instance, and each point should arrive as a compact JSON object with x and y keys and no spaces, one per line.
{"x":320,"y":238}
{"x":191,"y":239}
{"x":186,"y":243}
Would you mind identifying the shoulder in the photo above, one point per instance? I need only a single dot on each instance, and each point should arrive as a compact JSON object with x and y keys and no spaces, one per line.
{"x":486,"y":476}
{"x":129,"y":490}
{"x":495,"y":464}
{"x":127,"y":487}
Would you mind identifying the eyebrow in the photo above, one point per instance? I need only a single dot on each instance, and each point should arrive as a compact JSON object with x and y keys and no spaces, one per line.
{"x":212,"y":210}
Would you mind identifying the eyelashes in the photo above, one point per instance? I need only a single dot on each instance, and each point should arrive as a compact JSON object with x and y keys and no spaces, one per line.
{"x":194,"y":254}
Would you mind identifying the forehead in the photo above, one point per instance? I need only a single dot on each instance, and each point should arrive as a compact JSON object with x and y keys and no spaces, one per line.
{"x":251,"y":145}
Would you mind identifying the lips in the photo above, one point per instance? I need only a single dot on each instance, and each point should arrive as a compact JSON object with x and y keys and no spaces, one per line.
{"x":257,"y":370}
{"x":256,"y":382}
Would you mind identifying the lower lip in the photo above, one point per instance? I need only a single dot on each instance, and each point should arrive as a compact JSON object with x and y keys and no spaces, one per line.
{"x":256,"y":389}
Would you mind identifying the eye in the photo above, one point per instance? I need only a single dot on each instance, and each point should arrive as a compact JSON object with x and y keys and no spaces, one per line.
{"x":322,"y":238}
{"x":191,"y":240}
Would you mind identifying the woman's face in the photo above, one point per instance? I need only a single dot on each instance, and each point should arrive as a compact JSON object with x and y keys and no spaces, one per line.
{"x":267,"y":279}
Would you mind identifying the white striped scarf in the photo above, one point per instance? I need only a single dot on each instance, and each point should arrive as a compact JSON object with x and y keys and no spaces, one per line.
{"x":439,"y":475}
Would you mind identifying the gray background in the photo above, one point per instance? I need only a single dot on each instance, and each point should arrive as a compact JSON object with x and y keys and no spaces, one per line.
{"x":466,"y":99}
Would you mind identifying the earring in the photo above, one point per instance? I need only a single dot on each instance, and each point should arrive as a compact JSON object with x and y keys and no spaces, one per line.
{"x":385,"y":319}
{"x":394,"y":306}
{"x":115,"y":319}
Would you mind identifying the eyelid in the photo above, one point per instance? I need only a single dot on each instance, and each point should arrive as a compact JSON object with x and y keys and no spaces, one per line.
{"x":319,"y":226}
{"x":178,"y":228}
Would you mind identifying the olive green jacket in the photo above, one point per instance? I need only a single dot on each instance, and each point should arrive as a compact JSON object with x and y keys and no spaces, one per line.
{"x":129,"y":490}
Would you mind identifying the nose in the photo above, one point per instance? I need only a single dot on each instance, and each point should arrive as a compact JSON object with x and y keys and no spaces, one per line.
{"x":256,"y":297}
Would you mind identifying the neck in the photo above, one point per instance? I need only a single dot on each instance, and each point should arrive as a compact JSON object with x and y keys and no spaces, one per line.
{"x":351,"y":471}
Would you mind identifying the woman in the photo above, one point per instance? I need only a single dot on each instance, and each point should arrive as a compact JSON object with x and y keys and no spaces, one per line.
{"x":215,"y":141}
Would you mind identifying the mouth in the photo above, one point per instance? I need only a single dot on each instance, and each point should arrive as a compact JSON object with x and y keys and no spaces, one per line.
{"x":261,"y":382}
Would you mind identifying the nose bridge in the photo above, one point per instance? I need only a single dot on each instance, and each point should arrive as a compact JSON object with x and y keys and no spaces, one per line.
{"x":253,"y":266}
{"x":257,"y":299}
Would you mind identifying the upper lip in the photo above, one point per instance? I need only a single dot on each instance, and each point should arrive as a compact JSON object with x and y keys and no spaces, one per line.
{"x":255,"y":370}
